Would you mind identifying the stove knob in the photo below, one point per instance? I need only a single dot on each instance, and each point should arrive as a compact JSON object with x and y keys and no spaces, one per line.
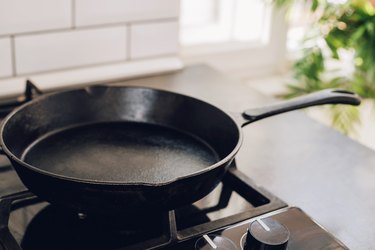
{"x":266,"y":234}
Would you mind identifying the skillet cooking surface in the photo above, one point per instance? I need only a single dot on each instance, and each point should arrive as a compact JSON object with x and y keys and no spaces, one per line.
{"x":121,"y":152}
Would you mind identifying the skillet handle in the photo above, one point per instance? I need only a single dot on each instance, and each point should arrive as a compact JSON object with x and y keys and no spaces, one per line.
{"x":327,"y":96}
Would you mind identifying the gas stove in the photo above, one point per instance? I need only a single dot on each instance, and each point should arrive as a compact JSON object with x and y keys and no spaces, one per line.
{"x":237,"y":214}
{"x":227,"y":218}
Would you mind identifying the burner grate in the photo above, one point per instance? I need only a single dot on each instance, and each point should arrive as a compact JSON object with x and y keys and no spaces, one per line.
{"x":30,"y":92}
{"x":173,"y":224}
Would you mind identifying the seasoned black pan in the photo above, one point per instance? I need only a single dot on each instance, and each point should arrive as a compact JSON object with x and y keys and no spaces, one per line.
{"x":123,"y":149}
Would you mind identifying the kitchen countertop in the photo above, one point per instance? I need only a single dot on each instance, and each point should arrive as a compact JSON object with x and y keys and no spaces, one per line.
{"x":306,"y":164}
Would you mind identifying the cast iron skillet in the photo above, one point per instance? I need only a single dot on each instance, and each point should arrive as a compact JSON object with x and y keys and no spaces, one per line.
{"x":123,"y":149}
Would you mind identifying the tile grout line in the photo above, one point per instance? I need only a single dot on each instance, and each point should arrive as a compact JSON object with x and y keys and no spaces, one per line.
{"x":73,"y":13}
{"x":128,"y":42}
{"x":88,"y":66}
{"x":88,"y":27}
{"x":13,"y":55}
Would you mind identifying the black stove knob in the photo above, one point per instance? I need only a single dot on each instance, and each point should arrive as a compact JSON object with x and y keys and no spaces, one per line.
{"x":266,"y":234}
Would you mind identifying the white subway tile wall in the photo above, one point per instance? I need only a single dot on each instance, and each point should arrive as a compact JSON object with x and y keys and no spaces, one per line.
{"x":18,"y":16}
{"x":57,"y":35}
{"x":93,"y":12}
{"x":45,"y":52}
{"x":153,"y":39}
{"x":5,"y":57}
{"x":11,"y":87}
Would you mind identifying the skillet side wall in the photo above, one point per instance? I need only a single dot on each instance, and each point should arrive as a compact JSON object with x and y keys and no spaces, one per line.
{"x":113,"y":104}
{"x":107,"y":104}
{"x":117,"y":199}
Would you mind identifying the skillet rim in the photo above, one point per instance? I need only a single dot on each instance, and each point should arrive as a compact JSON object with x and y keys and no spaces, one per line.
{"x":76,"y":180}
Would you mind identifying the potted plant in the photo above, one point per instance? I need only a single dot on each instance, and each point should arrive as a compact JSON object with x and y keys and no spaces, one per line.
{"x":341,"y":31}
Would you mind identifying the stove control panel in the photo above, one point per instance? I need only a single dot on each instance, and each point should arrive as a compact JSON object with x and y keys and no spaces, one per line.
{"x":288,"y":228}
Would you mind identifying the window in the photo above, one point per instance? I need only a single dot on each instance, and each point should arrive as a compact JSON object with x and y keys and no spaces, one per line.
{"x":232,"y":35}
{"x":218,"y":21}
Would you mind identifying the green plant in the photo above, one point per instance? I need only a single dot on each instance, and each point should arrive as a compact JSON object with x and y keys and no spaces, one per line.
{"x":338,"y":28}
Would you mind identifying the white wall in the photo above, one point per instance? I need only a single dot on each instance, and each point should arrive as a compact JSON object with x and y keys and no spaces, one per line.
{"x":45,"y":39}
